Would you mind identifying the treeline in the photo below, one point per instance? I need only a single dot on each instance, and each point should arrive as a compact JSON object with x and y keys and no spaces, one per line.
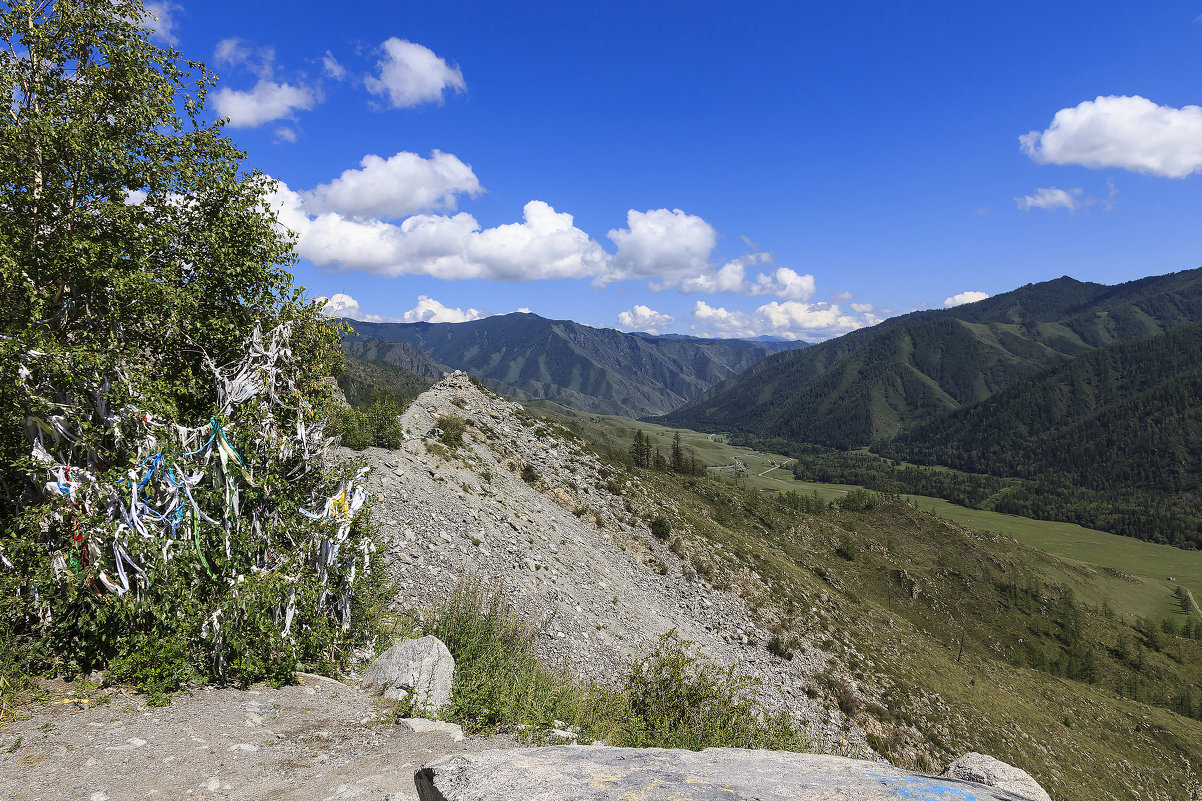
{"x":1144,"y":514}
{"x":679,"y":459}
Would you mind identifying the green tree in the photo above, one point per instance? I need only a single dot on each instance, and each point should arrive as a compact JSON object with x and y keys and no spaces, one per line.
{"x":140,"y":269}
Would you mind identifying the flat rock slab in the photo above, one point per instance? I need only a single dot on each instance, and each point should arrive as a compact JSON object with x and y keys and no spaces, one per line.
{"x":597,"y":773}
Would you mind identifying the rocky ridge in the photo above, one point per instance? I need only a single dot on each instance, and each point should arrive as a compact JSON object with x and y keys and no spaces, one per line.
{"x":570,"y":547}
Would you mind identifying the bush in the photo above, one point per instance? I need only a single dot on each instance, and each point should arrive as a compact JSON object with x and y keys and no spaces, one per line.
{"x":661,"y":529}
{"x":377,"y":425}
{"x":498,"y":681}
{"x":529,"y":474}
{"x":453,"y":427}
{"x":156,"y":666}
{"x":678,"y":700}
{"x":670,"y":699}
{"x":161,"y":380}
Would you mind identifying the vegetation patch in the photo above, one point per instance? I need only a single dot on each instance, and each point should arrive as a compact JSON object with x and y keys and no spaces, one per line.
{"x":669,"y":699}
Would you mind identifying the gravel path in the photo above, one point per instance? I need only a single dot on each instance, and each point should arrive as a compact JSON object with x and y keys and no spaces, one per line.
{"x":318,"y":741}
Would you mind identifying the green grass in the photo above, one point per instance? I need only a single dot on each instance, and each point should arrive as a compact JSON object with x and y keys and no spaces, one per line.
{"x":946,"y":638}
{"x":1150,"y":564}
{"x":671,"y":698}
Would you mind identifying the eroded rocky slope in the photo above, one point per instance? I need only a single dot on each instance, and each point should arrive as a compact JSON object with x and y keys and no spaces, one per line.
{"x":569,"y":544}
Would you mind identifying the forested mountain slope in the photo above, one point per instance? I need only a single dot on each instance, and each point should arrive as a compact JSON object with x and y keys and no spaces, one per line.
{"x":594,"y":369}
{"x":875,"y":383}
{"x":1123,"y":416}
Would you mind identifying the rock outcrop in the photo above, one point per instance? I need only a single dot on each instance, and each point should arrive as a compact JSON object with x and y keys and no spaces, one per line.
{"x":974,"y":767}
{"x":418,"y":672}
{"x":596,"y":773}
{"x":570,"y":549}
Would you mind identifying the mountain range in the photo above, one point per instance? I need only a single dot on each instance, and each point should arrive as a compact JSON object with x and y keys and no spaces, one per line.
{"x":594,"y":369}
{"x":873,"y":384}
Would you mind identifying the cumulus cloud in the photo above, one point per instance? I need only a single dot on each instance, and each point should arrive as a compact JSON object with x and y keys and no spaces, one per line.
{"x":728,"y":278}
{"x":964,"y":297}
{"x":380,"y":218}
{"x":267,"y":101}
{"x":1050,"y":197}
{"x":546,"y":244}
{"x":784,"y":283}
{"x":340,"y":305}
{"x":284,"y":134}
{"x":790,"y":320}
{"x":666,"y":245}
{"x":411,"y":74}
{"x":1130,"y":133}
{"x":159,"y":18}
{"x":644,"y":318}
{"x":395,"y":187}
{"x":429,"y":310}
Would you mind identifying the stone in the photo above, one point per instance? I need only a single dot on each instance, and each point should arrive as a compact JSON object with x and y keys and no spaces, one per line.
{"x":983,"y":769}
{"x":600,"y":773}
{"x":419,"y":671}
{"x":422,"y":725}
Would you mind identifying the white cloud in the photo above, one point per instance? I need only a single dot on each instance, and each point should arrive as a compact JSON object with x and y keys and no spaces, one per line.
{"x":159,"y":18}
{"x":1050,"y":197}
{"x":340,"y":305}
{"x":266,"y":102}
{"x":395,"y":187}
{"x":729,"y":278}
{"x":784,"y":283}
{"x":411,"y":74}
{"x":644,"y":318}
{"x":429,"y":310}
{"x":791,"y":320}
{"x":546,"y":244}
{"x":666,"y":245}
{"x":236,"y":52}
{"x":842,"y":296}
{"x":1130,"y":133}
{"x":331,"y":67}
{"x":380,"y":218}
{"x":964,"y":297}
{"x":862,"y":308}
{"x":285,"y":134}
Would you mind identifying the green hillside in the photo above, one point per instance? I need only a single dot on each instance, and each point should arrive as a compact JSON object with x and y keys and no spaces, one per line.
{"x":875,"y":383}
{"x":594,"y":369}
{"x":947,"y":639}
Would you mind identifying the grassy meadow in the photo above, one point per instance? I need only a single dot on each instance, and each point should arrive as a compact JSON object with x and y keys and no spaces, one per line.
{"x":1152,"y":571}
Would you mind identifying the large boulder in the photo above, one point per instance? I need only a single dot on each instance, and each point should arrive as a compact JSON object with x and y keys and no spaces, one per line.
{"x":600,"y":773}
{"x":974,"y":767}
{"x":415,"y":671}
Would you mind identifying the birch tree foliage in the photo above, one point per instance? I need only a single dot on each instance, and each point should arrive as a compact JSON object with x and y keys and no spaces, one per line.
{"x":141,"y":268}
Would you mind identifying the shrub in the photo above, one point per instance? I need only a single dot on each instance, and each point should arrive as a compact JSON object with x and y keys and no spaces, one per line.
{"x":669,"y":699}
{"x":661,"y":529}
{"x":678,"y":700}
{"x":453,"y":427}
{"x":529,"y":474}
{"x":376,"y":425}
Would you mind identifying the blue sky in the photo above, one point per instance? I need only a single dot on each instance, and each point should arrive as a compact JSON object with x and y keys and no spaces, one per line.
{"x":792,"y":169}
